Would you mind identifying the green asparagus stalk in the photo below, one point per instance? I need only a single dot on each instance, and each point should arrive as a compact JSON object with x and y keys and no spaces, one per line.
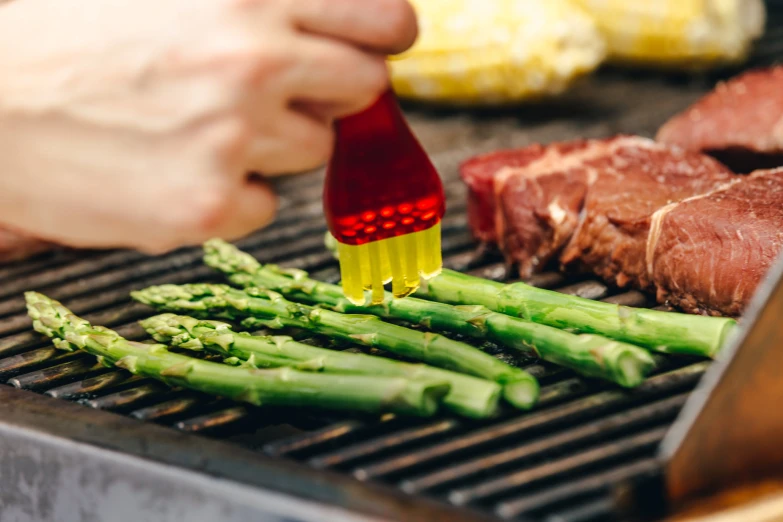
{"x":468,"y":396}
{"x":282,"y":386}
{"x":590,"y":355}
{"x":666,"y":332}
{"x":263,"y":307}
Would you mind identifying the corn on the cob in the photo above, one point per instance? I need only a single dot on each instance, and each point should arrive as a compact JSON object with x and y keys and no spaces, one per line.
{"x":486,"y":51}
{"x":689,"y":33}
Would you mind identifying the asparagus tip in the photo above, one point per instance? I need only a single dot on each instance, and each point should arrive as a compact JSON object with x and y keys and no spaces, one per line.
{"x":50,"y":316}
{"x":227,"y":258}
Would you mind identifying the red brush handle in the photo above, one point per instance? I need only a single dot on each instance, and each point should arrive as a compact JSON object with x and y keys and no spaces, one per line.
{"x":380,"y":182}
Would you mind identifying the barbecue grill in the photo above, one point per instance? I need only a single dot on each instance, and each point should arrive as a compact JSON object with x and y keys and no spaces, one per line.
{"x":80,"y":442}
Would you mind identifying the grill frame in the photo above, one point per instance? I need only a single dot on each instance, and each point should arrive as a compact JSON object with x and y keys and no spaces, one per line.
{"x":61,"y":451}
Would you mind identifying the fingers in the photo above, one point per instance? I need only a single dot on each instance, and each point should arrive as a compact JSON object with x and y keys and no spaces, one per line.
{"x":381,"y":26}
{"x":325,"y":111}
{"x":253,"y":205}
{"x":339,"y":75}
{"x":293,"y":142}
{"x":226,"y":208}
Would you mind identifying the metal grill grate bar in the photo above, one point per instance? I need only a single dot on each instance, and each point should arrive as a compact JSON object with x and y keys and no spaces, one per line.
{"x":591,"y":486}
{"x":522,"y":427}
{"x":664,"y":410}
{"x":91,"y":386}
{"x":54,"y":375}
{"x":616,"y":449}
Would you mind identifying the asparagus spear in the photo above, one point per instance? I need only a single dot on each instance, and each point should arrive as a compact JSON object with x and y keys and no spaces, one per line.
{"x":263,"y":307}
{"x":283,"y":386}
{"x":468,"y":395}
{"x":665,"y":332}
{"x":590,"y":355}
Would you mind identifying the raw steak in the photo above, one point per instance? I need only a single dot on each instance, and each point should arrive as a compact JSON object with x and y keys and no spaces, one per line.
{"x":709,"y":253}
{"x":740,"y":122}
{"x":630,"y":185}
{"x":543,"y":199}
{"x":479,"y":173}
{"x":644,"y":214}
{"x":539,"y":205}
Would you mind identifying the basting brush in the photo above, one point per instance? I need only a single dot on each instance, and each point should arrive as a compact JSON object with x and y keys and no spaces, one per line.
{"x":383,"y":202}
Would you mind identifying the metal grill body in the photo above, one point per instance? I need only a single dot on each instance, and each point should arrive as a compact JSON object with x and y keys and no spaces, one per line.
{"x":83,"y":442}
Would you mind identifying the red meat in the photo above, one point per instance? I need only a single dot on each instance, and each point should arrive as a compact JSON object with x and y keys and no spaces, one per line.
{"x":740,"y":122}
{"x":642,"y":214}
{"x":479,"y":173}
{"x":709,"y":253}
{"x":630,"y":185}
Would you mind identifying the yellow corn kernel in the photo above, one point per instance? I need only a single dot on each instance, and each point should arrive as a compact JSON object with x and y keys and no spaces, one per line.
{"x":496,"y":51}
{"x":689,"y":33}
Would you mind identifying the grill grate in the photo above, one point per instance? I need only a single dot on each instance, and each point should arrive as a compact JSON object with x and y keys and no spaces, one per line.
{"x":554,"y":463}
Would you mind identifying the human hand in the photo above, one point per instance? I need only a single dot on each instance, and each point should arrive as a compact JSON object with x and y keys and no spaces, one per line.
{"x":134,"y":124}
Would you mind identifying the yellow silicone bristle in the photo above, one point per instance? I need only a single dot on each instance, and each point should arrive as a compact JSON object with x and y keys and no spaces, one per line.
{"x":351,"y":272}
{"x":394,"y":251}
{"x":410,"y":260}
{"x":364,"y":258}
{"x":374,"y":249}
{"x":401,"y":260}
{"x":430,"y":258}
{"x":386,"y":271}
